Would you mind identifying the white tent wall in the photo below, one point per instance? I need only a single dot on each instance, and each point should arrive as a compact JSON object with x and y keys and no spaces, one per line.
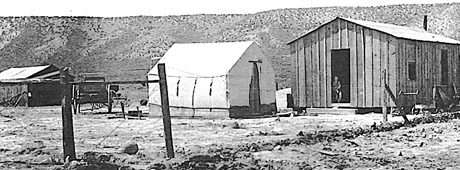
{"x":240,"y":78}
{"x":212,"y":79}
{"x":186,"y":98}
{"x":211,"y":93}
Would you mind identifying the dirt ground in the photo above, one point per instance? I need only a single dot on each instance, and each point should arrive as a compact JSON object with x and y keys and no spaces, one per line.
{"x":30,"y":138}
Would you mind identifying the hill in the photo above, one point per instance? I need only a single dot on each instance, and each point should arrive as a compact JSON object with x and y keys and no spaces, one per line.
{"x":126,"y":47}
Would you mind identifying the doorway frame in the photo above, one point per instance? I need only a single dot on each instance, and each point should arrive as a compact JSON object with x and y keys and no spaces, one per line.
{"x":341,"y":104}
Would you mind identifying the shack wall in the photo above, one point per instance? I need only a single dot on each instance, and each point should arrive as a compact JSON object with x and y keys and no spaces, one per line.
{"x":427,"y":56}
{"x":9,"y":90}
{"x":44,"y":94}
{"x":375,"y":58}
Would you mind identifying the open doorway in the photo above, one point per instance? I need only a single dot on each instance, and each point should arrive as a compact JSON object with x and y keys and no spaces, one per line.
{"x":340,"y":69}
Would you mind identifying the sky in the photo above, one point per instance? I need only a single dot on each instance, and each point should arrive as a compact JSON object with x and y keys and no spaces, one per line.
{"x":107,"y":8}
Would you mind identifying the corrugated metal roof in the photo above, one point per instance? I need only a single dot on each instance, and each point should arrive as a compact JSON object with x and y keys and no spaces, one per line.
{"x":202,"y":59}
{"x":396,"y":30}
{"x":21,"y":72}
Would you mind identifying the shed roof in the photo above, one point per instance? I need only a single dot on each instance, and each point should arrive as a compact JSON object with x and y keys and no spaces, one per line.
{"x":395,"y":30}
{"x":202,"y":59}
{"x":22,"y":72}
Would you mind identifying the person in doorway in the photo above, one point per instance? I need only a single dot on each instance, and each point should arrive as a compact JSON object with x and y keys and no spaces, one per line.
{"x":338,"y":89}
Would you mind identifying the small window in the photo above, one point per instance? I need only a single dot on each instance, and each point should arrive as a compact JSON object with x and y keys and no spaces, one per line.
{"x":444,"y":68}
{"x":411,"y":70}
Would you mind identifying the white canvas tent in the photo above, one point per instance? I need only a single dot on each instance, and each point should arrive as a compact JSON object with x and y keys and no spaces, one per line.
{"x":214,"y":80}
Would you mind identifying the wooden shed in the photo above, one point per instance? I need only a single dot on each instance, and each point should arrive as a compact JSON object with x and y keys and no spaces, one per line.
{"x":29,"y":86}
{"x":364,"y":56}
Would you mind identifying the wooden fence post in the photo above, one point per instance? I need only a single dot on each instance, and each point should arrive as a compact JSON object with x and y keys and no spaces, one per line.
{"x":67,"y":123}
{"x":165,"y":110}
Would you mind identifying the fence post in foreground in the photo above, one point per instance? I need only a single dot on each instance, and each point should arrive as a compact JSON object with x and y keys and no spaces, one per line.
{"x":165,"y":110}
{"x":67,"y":123}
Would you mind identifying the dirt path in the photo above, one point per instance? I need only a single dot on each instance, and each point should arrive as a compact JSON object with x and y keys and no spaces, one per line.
{"x":33,"y":135}
{"x":427,"y":146}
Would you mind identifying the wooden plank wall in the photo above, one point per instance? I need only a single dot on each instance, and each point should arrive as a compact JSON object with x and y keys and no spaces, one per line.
{"x":392,"y":66}
{"x":301,"y":65}
{"x":371,"y":53}
{"x":352,"y":42}
{"x":376,"y":68}
{"x":342,"y":43}
{"x":368,"y":75}
{"x":383,"y":67}
{"x":308,"y":71}
{"x":360,"y":43}
{"x":457,"y":50}
{"x":10,"y":90}
{"x":427,"y":56}
{"x":294,"y":74}
{"x":322,"y":70}
{"x":315,"y":77}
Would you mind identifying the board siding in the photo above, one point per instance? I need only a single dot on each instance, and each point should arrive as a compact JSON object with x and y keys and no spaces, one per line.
{"x":419,"y":65}
{"x":371,"y":54}
{"x":392,"y":66}
{"x":327,"y":66}
{"x":315,"y":44}
{"x":294,"y":78}
{"x":376,"y":68}
{"x":361,"y":69}
{"x":301,"y":55}
{"x":308,"y":71}
{"x":353,"y":64}
{"x":383,"y":68}
{"x":343,"y":35}
{"x":322,"y":70}
{"x":368,"y":66}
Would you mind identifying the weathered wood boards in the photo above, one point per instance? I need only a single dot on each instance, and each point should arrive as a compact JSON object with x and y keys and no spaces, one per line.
{"x":351,"y":35}
{"x":372,"y":53}
{"x":361,"y":71}
{"x":368,"y":75}
{"x":302,"y":78}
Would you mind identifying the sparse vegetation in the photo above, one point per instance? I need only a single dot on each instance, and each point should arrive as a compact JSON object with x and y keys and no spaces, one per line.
{"x":123,"y":46}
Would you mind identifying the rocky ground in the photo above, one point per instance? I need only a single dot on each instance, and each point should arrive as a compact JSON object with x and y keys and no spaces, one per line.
{"x":30,"y":138}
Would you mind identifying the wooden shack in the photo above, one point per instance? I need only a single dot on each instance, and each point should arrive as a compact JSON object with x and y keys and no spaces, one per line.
{"x":366,"y":55}
{"x":30,"y":86}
